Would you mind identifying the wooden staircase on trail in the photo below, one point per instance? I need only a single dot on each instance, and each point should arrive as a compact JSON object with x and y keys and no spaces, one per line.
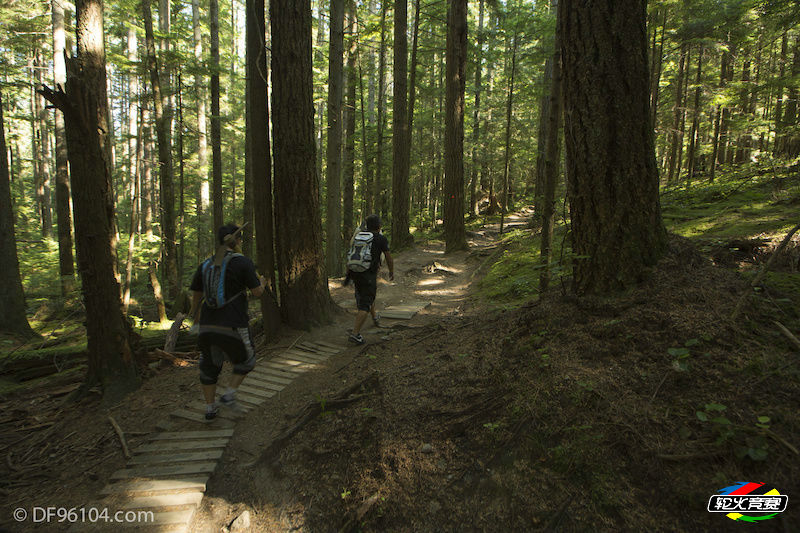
{"x":167,"y":476}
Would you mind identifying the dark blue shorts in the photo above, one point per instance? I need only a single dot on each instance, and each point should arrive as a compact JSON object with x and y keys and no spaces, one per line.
{"x":366,"y":284}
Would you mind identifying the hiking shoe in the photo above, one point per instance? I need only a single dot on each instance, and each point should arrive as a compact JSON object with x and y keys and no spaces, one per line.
{"x":377,"y":320}
{"x":212,"y":414}
{"x":229,"y":401}
{"x":357,"y":339}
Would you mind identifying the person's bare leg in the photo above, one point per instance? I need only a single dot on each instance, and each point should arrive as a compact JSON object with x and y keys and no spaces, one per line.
{"x":372,"y":310}
{"x":209,"y":393}
{"x":236,"y":380}
{"x":361,"y":317}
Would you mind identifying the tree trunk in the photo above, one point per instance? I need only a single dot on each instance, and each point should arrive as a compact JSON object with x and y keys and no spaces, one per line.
{"x":305,"y":299}
{"x":259,"y":160}
{"x":166,"y":179}
{"x":693,"y":135}
{"x":84,"y":105}
{"x":348,"y":167}
{"x":161,"y":309}
{"x":779,"y":125}
{"x":216,"y":123}
{"x":181,"y":175}
{"x":43,"y":153}
{"x":476,"y":118}
{"x":204,"y":233}
{"x":66,"y":263}
{"x":333,"y":212}
{"x":679,"y":111}
{"x":146,"y":196}
{"x":616,"y":228}
{"x":454,"y":232}
{"x":400,"y":160}
{"x":12,"y":313}
{"x":509,"y":112}
{"x":378,"y":202}
{"x":412,"y":91}
{"x":551,"y":162}
{"x":132,"y":233}
{"x":792,"y":142}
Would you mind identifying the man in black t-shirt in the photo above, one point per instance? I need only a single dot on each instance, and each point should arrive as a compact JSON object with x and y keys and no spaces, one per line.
{"x":366,"y":282}
{"x":223,"y":327}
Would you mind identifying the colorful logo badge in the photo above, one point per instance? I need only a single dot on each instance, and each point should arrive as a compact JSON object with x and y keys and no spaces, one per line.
{"x":746,"y":501}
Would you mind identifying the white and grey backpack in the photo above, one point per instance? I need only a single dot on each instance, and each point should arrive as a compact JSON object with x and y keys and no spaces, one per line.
{"x":359,"y":258}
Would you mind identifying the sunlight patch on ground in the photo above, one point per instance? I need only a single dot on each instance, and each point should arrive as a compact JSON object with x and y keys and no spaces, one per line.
{"x":454,"y":291}
{"x":429,"y":282}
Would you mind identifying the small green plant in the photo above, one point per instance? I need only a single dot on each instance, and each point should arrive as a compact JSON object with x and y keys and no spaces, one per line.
{"x":345,"y":494}
{"x":681,"y":354}
{"x":492,"y":426}
{"x":748,"y":441}
{"x":544,"y":360}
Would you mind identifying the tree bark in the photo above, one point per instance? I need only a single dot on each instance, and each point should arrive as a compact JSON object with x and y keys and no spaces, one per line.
{"x":551,"y":162}
{"x":476,"y":118}
{"x":132,"y":233}
{"x":779,"y":125}
{"x":617,"y":233}
{"x":84,"y":105}
{"x":166,"y":177}
{"x":509,"y":112}
{"x":694,"y":135}
{"x":259,"y":160}
{"x":204,"y":233}
{"x":379,"y":202}
{"x":305,"y":299}
{"x":216,"y":123}
{"x":349,"y":155}
{"x":12,"y":313}
{"x":43,"y":152}
{"x":400,"y":158}
{"x":66,"y":262}
{"x":333,"y":182}
{"x":456,"y":61}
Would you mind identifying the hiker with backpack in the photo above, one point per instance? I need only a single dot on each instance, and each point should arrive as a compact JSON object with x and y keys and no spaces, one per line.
{"x":221,"y":283}
{"x":363,"y":262}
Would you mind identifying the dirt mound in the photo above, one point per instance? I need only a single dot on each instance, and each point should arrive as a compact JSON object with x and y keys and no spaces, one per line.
{"x":619,"y":413}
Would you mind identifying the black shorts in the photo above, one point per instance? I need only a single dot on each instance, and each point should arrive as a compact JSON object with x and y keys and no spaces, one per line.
{"x":366,"y":284}
{"x":214,"y":347}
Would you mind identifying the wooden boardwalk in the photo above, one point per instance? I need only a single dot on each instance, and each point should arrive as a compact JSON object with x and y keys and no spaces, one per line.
{"x":168,"y":474}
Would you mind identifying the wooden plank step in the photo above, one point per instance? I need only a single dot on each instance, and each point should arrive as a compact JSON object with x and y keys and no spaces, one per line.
{"x":200,"y":417}
{"x":161,"y":519}
{"x":288,"y":361}
{"x":315,"y":347}
{"x":255,"y":391}
{"x":264,"y":384}
{"x":196,"y":484}
{"x":330,"y":345}
{"x":161,"y":458}
{"x":305,"y":356}
{"x":286,"y":368}
{"x":189,"y":445}
{"x":163,"y":500}
{"x":184,"y":435}
{"x":249,"y":399}
{"x":162,"y":471}
{"x":274,"y":375}
{"x":316,"y":351}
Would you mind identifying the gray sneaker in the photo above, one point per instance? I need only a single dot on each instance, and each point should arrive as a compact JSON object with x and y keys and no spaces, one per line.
{"x":357,"y":339}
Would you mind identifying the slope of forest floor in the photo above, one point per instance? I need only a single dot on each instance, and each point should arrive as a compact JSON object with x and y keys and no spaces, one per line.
{"x":492,"y":409}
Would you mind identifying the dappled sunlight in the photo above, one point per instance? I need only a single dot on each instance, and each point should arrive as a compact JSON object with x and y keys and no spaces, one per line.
{"x":429,"y":282}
